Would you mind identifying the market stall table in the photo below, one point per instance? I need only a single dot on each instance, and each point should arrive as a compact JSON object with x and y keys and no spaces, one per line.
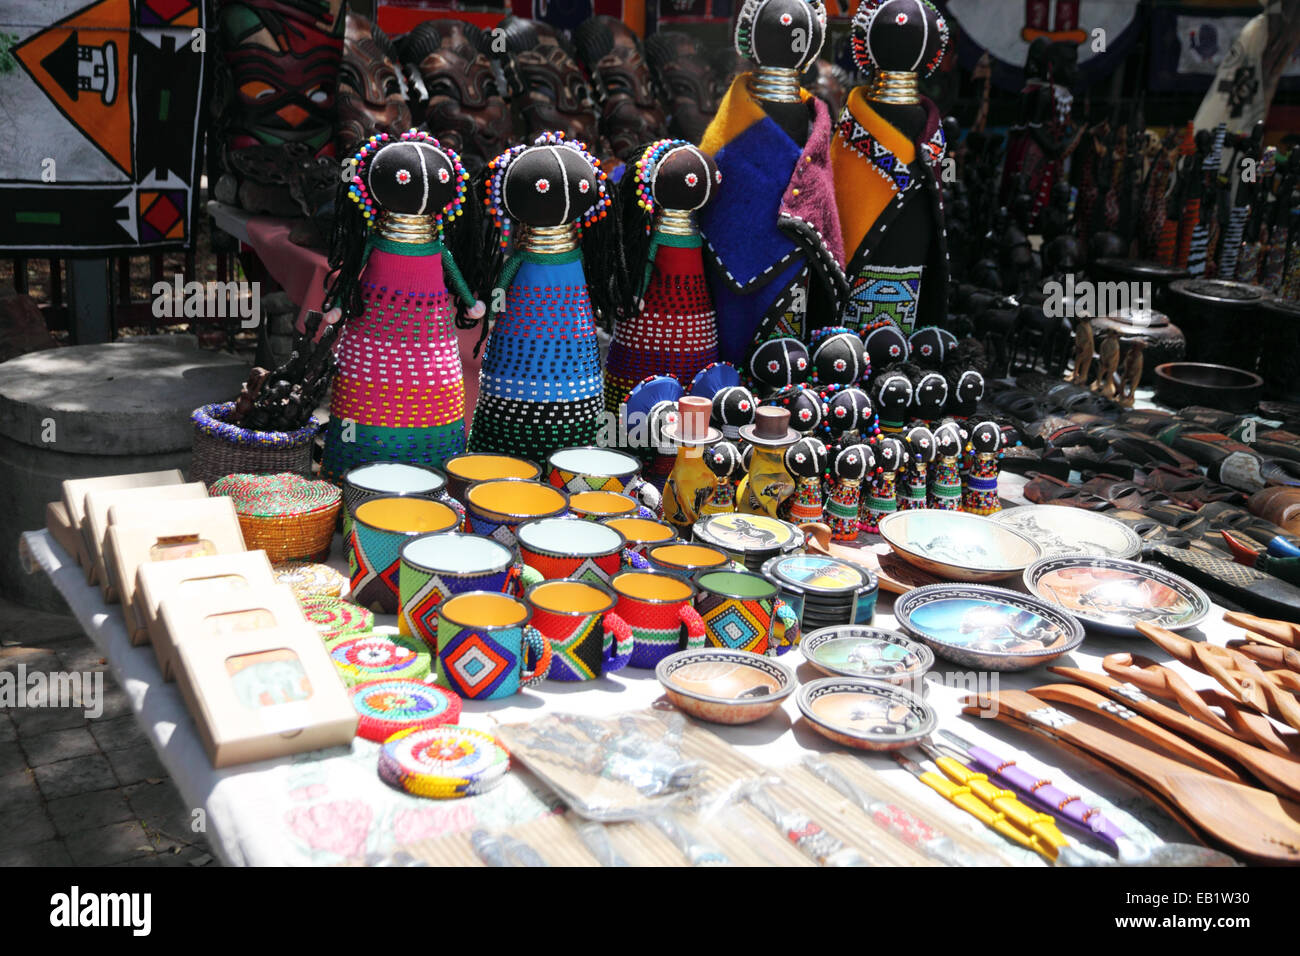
{"x":331,"y":807}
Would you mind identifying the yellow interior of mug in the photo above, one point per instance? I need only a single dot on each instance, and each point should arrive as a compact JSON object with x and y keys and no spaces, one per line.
{"x":641,"y":529}
{"x":688,"y":555}
{"x":660,"y":588}
{"x":406,"y":515}
{"x":485,"y":467}
{"x":523,"y":498}
{"x":569,"y":597}
{"x":484,"y":610}
{"x":601,"y":503}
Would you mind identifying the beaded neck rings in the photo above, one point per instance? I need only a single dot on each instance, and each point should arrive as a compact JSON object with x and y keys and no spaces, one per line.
{"x":410,"y":174}
{"x":579,"y":195}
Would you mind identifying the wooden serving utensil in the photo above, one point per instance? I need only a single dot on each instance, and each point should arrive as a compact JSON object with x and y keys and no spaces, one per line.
{"x":1279,"y":774}
{"x":1251,"y":726}
{"x":1251,"y":822}
{"x":1093,"y":702}
{"x":1281,"y":631}
{"x":1272,"y":655}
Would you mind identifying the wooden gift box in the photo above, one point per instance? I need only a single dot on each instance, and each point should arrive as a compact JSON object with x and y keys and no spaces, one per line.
{"x":183,"y":529}
{"x":257,"y":695}
{"x":63,"y":531}
{"x":76,"y":489}
{"x":130,"y":505}
{"x":218,"y":616}
{"x":190,"y":580}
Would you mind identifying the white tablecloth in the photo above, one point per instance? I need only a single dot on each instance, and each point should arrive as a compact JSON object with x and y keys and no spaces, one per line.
{"x":329,"y":806}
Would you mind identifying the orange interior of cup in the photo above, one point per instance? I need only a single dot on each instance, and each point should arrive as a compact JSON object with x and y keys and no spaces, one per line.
{"x":659,"y":588}
{"x":569,"y":597}
{"x":642,"y":529}
{"x":406,"y":515}
{"x":485,"y":467}
{"x":484,"y":610}
{"x":516,"y":498}
{"x":601,"y":503}
{"x":688,"y":555}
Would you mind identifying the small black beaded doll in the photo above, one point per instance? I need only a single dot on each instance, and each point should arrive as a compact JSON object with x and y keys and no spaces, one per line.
{"x":805,"y":406}
{"x":885,"y":342}
{"x":777,"y":364}
{"x":980,"y":496}
{"x":945,"y":473}
{"x":805,"y":460}
{"x":930,"y":346}
{"x":929,"y":398}
{"x":891,"y":394}
{"x":920,"y":444}
{"x":733,"y":407}
{"x":839,"y":357}
{"x":882,"y":498}
{"x":850,"y":416}
{"x":724,"y":460}
{"x":851,"y":466}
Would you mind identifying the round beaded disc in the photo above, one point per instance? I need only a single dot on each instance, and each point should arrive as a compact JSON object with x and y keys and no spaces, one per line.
{"x":308,"y":579}
{"x":335,"y":618}
{"x":443,"y":762}
{"x":387,"y":707}
{"x":369,"y":657}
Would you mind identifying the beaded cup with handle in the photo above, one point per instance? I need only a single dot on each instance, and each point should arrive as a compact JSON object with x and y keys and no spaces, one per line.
{"x":658,"y":608}
{"x":487,"y":647}
{"x":588,"y":637}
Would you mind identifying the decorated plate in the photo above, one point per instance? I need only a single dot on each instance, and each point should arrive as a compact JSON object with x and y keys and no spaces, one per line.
{"x":1114,"y":595}
{"x":958,"y":546}
{"x":725,"y":686}
{"x":865,"y":714}
{"x":823,"y":580}
{"x":741,"y":535}
{"x":986,"y":627}
{"x":1057,"y":530}
{"x":851,"y":650}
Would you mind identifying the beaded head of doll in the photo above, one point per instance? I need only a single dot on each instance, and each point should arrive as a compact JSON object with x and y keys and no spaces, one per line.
{"x":781,"y":34}
{"x":850,"y":467}
{"x":839,"y":357}
{"x":980,"y":494}
{"x":885,"y":342}
{"x":856,"y":462}
{"x":891,"y":455}
{"x":670,"y":180}
{"x":779,"y":363}
{"x":849,"y":411}
{"x":805,"y":407}
{"x":552,"y":184}
{"x":898,"y":36}
{"x":929,"y":397}
{"x":891,"y":393}
{"x":733,"y":406}
{"x":409,"y":186}
{"x":930,"y":346}
{"x":725,"y":462}
{"x":965,"y":389}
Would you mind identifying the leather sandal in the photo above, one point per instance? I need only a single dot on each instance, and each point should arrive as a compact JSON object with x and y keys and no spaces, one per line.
{"x":1209,"y":419}
{"x":1278,"y":505}
{"x":1188,"y":487}
{"x":1149,"y":421}
{"x":1144,"y":449}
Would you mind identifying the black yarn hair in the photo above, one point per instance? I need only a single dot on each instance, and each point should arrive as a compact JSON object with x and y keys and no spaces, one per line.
{"x":608,"y":281}
{"x":427,"y":36}
{"x":593,"y":39}
{"x":636,"y":228}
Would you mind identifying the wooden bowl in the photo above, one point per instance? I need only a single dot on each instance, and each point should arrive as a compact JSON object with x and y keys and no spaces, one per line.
{"x":725,"y":686}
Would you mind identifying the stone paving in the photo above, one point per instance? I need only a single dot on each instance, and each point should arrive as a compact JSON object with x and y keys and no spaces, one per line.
{"x":78,"y":791}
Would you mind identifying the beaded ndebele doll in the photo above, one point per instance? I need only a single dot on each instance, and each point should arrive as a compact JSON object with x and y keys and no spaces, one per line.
{"x":399,"y":394}
{"x":542,"y":386}
{"x":670,"y":328}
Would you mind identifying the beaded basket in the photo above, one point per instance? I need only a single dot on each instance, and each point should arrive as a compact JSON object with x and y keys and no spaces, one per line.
{"x":221,"y":448}
{"x":286,"y":515}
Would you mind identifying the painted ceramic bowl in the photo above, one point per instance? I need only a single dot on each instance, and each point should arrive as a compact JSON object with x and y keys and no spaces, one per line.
{"x":725,"y":686}
{"x":958,"y":546}
{"x":850,"y":650}
{"x":1113,"y":595}
{"x":987,"y":628}
{"x":865,"y":714}
{"x":1057,"y":530}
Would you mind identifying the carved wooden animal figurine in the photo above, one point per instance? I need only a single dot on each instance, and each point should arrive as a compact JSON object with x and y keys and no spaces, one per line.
{"x":1107,"y":364}
{"x":1083,"y":348}
{"x":1131,"y":373}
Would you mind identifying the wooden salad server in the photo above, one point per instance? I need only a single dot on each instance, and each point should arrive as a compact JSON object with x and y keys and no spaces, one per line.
{"x":1251,"y":726}
{"x":1173,"y":746}
{"x":1250,"y":822}
{"x":1270,"y":655}
{"x":1280,"y":775}
{"x":1281,"y":631}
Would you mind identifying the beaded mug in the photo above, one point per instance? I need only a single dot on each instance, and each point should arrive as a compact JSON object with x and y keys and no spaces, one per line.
{"x":497,"y":508}
{"x":393,"y":479}
{"x":589,"y":468}
{"x":486,"y":644}
{"x":555,"y":548}
{"x":686,"y":560}
{"x":658,"y":608}
{"x":436,"y":567}
{"x":642,"y":533}
{"x":741,"y":611}
{"x":380,"y":527}
{"x":587,"y":635}
{"x":602,"y":505}
{"x":472,"y":467}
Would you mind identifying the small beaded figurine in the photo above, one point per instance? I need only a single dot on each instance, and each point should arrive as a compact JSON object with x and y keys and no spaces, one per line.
{"x":920,"y":445}
{"x":945,"y":474}
{"x":692,"y":481}
{"x":723,"y":459}
{"x":803,"y":404}
{"x":891,"y":394}
{"x":980,"y":496}
{"x":891,"y":457}
{"x":806,"y":461}
{"x":777,"y":364}
{"x":672,"y":328}
{"x":542,"y":388}
{"x":850,"y":416}
{"x":885,"y":343}
{"x":852,"y":466}
{"x":733,"y":407}
{"x":929,"y":399}
{"x":399,"y":394}
{"x":839,"y":357}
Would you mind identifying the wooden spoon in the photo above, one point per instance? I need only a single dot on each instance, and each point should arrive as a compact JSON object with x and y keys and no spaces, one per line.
{"x":1281,"y":631}
{"x":1254,"y":823}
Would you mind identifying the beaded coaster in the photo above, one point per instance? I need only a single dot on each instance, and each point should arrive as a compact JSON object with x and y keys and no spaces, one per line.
{"x":387,"y":707}
{"x":275,"y":496}
{"x":443,"y":762}
{"x":336,"y":618}
{"x":379,"y":656}
{"x":309,"y":579}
